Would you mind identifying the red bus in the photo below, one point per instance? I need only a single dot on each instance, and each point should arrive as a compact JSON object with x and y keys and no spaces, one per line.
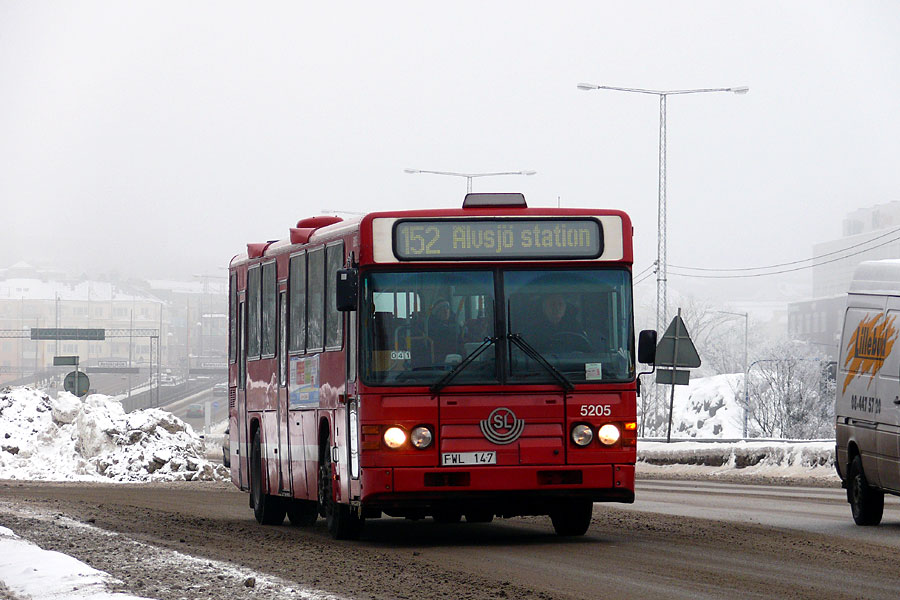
{"x":475,"y":362}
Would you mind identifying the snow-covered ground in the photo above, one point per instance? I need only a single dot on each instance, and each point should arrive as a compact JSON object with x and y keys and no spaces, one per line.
{"x":28,"y":571}
{"x":62,"y":437}
{"x":812,"y":461}
{"x":706,"y":408}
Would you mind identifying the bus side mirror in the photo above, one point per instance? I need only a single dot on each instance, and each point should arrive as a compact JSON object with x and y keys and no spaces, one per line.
{"x":647,"y":347}
{"x":346,"y":291}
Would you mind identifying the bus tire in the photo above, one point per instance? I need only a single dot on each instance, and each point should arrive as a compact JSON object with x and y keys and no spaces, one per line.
{"x":572,"y":518}
{"x":342,"y":523}
{"x":268,"y":510}
{"x":479,"y":516}
{"x":447,"y":516}
{"x":302,"y":513}
{"x":866,"y":503}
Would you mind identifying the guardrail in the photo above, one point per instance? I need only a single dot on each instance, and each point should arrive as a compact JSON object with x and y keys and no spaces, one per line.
{"x":734,"y":440}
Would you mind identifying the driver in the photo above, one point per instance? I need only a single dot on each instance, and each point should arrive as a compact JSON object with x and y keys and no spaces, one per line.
{"x":555,"y":317}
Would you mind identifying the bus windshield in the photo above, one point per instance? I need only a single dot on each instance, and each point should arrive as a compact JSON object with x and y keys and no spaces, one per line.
{"x":580,"y":321}
{"x":418,"y":325}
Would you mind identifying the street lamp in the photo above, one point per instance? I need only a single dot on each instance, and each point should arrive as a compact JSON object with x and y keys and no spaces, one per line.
{"x":661,"y":267}
{"x":468,"y":176}
{"x":746,"y":366}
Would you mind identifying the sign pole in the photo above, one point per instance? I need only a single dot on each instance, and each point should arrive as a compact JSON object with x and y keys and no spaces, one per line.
{"x":672,"y":396}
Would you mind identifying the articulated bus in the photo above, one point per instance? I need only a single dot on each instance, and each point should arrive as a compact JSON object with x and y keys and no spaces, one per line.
{"x":475,"y":362}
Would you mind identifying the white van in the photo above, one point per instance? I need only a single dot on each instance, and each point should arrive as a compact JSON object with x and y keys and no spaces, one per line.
{"x":867,"y":402}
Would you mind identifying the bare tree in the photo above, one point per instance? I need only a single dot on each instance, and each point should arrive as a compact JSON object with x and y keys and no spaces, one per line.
{"x":791,"y":395}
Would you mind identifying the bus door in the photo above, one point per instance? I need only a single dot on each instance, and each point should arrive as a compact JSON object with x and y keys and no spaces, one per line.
{"x":282,"y":416}
{"x":352,"y":406}
{"x":241,"y":393}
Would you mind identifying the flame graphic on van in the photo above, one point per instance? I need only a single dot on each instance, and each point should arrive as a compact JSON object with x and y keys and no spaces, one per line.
{"x":870,"y":345}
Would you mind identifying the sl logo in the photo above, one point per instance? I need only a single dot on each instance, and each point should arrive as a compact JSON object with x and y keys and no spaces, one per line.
{"x":502,"y":427}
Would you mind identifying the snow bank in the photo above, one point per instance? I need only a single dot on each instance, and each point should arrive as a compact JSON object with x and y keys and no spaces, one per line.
{"x":31,"y":572}
{"x":779,"y":459}
{"x":66,"y":438}
{"x":707,"y":408}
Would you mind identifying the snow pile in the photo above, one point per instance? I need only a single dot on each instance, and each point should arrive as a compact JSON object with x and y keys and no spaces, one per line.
{"x":780,"y":459}
{"x":66,"y":438}
{"x":31,"y":572}
{"x":707,"y":408}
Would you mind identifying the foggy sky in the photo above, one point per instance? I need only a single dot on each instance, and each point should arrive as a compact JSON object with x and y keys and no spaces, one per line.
{"x":156,"y":139}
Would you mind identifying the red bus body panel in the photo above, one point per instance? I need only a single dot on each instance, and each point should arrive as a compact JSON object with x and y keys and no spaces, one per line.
{"x":543,"y":463}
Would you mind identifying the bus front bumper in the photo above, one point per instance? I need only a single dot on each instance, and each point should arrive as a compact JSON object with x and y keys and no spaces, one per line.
{"x":497,"y":485}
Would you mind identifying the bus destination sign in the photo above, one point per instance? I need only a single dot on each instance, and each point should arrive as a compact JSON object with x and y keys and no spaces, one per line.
{"x":498,"y":239}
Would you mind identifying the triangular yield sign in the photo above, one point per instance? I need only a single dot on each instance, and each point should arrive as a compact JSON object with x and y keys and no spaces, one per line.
{"x":665,"y":350}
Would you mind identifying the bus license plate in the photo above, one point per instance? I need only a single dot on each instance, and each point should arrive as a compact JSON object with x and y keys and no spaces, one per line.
{"x":468,"y":458}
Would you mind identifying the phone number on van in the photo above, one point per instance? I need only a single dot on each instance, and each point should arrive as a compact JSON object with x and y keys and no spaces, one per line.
{"x":868,"y":404}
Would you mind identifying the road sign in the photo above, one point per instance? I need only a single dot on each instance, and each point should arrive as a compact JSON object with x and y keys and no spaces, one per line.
{"x":120,"y":370}
{"x":673,"y":377}
{"x":676,"y":349}
{"x":65,"y":361}
{"x":110,"y":364}
{"x":77,"y":383}
{"x":220,"y":365}
{"x":52,"y":333}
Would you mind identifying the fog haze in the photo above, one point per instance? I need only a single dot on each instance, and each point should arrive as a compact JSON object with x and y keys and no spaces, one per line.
{"x":156,"y":139}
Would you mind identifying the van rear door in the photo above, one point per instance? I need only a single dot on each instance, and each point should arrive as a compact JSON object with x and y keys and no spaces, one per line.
{"x":888,"y":400}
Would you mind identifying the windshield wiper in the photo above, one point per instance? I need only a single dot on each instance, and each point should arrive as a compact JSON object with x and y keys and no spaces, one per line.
{"x":529,"y":350}
{"x":446,"y":379}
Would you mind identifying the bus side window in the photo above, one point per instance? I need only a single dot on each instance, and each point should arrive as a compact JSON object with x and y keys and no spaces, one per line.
{"x":334,"y":319}
{"x":297,"y":294}
{"x":315,"y":300}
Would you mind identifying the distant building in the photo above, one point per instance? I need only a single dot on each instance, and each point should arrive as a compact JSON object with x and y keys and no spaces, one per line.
{"x":189,"y":318}
{"x":875,"y":230}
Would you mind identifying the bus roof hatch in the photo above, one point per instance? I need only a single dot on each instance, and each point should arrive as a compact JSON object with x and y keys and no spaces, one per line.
{"x":511,"y":199}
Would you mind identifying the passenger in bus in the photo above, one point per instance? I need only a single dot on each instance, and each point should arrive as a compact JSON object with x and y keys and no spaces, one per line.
{"x":443,"y":330}
{"x":555,"y":325}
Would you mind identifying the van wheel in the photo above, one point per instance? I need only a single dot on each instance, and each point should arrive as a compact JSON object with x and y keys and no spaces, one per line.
{"x":572,"y":518}
{"x":342,"y":523}
{"x":268,"y":510}
{"x":866,"y":503}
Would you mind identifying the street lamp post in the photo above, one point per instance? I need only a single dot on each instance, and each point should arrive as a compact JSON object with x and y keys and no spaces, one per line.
{"x":746,"y":366}
{"x":468,"y":176}
{"x":661,"y":267}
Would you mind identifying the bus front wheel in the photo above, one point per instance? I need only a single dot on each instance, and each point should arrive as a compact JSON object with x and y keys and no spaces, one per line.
{"x":572,"y":518}
{"x":342,"y":523}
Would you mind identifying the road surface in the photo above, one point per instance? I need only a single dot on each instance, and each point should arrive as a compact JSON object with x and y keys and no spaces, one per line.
{"x":679,"y":540}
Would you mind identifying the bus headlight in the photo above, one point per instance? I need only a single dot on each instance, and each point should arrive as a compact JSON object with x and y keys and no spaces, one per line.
{"x":608,"y":434}
{"x":421,"y":437}
{"x":394,"y":437}
{"x":582,"y":435}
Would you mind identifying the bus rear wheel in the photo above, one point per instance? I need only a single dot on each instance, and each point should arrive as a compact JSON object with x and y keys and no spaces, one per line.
{"x":268,"y":510}
{"x":572,"y":518}
{"x":342,"y":523}
{"x":302,"y":513}
{"x":866,"y":503}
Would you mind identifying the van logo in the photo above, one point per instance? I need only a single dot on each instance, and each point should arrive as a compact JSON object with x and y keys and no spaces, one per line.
{"x":870,"y":344}
{"x":502,"y":427}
